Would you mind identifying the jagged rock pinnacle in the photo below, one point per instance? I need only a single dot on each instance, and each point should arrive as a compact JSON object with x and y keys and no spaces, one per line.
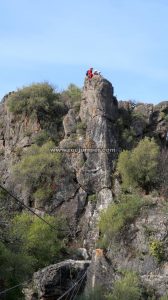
{"x":98,"y":99}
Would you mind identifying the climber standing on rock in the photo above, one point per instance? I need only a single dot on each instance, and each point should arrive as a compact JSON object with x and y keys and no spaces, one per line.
{"x":89,"y":73}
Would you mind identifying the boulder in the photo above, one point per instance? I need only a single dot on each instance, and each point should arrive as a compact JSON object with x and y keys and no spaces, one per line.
{"x":55,"y":280}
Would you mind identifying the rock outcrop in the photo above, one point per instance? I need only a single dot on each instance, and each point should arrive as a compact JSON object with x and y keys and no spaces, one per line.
{"x":134,"y":252}
{"x":93,"y":164}
{"x":147,"y":119}
{"x":52,"y":282}
{"x":91,"y":143}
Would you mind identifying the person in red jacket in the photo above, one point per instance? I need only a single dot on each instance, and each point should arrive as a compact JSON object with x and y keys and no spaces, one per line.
{"x":90,"y":73}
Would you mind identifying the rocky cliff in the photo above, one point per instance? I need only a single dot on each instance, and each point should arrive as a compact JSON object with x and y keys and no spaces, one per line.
{"x":93,"y":138}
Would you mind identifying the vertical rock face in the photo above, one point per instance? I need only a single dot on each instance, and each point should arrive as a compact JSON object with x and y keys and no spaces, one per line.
{"x":91,"y":191}
{"x":87,"y":189}
{"x":17,"y":133}
{"x":54,"y":281}
{"x":98,"y":99}
{"x":98,"y":145}
{"x":98,"y":110}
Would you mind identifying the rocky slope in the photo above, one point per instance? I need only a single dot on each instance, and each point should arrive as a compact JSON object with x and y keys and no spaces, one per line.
{"x":98,"y":130}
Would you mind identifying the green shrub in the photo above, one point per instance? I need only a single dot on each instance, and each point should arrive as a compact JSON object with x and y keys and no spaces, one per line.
{"x":28,"y":132}
{"x":92,"y":198}
{"x":29,"y":244}
{"x":139,"y":166}
{"x":37,"y":239}
{"x":30,"y":99}
{"x":41,"y":138}
{"x":166,"y":118}
{"x":72,"y":96}
{"x":156,"y":250}
{"x":2,"y":152}
{"x":165,"y":297}
{"x":124,"y":128}
{"x":127,"y":288}
{"x":162,"y":115}
{"x":138,"y":115}
{"x":162,"y":173}
{"x":15,"y":268}
{"x":81,"y":125}
{"x":18,"y":151}
{"x":116,"y":216}
{"x":41,"y":195}
{"x":39,"y":169}
{"x":128,"y":137}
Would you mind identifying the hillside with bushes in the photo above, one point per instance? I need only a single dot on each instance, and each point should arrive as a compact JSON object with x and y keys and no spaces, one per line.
{"x":83,"y":195}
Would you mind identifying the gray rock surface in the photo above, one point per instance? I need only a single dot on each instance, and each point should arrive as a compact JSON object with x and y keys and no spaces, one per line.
{"x":55,"y":280}
{"x":69,"y":122}
{"x":86,"y":189}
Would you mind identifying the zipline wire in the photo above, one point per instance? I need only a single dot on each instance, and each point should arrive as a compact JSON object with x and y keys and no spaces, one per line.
{"x":27,"y":207}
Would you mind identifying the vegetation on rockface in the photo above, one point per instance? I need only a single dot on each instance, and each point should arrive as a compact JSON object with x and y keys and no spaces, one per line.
{"x":116,"y":216}
{"x":29,"y":234}
{"x":41,"y":138}
{"x":124,"y":123}
{"x":81,"y":127}
{"x":128,"y":137}
{"x":166,"y":117}
{"x":15,"y":268}
{"x":36,"y":97}
{"x":157,"y":250}
{"x":72,"y":96}
{"x":138,"y":167}
{"x":92,"y":198}
{"x":23,"y":250}
{"x":125,"y":131}
{"x":40,"y":170}
{"x":165,"y":297}
{"x":162,"y":173}
{"x":126,"y":288}
{"x":40,"y":102}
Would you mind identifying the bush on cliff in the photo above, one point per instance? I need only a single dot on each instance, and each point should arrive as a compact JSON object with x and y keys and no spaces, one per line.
{"x":162,"y":173}
{"x":39,"y":96}
{"x":127,"y":136}
{"x":29,"y":244}
{"x":126,"y":288}
{"x":40,"y":170}
{"x":72,"y":96}
{"x":138,"y":167}
{"x":117,"y":216}
{"x":15,"y":268}
{"x":37,"y":239}
{"x":165,"y":297}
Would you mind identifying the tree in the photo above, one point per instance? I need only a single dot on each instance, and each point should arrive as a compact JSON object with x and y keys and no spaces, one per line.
{"x":37,"y":239}
{"x":40,"y":169}
{"x":15,"y":268}
{"x":127,"y":288}
{"x":138,"y":167}
{"x":31,"y":244}
{"x":116,"y":216}
{"x":31,"y":99}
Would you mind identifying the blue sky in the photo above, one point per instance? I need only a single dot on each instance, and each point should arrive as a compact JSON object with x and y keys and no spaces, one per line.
{"x":58,"y":40}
